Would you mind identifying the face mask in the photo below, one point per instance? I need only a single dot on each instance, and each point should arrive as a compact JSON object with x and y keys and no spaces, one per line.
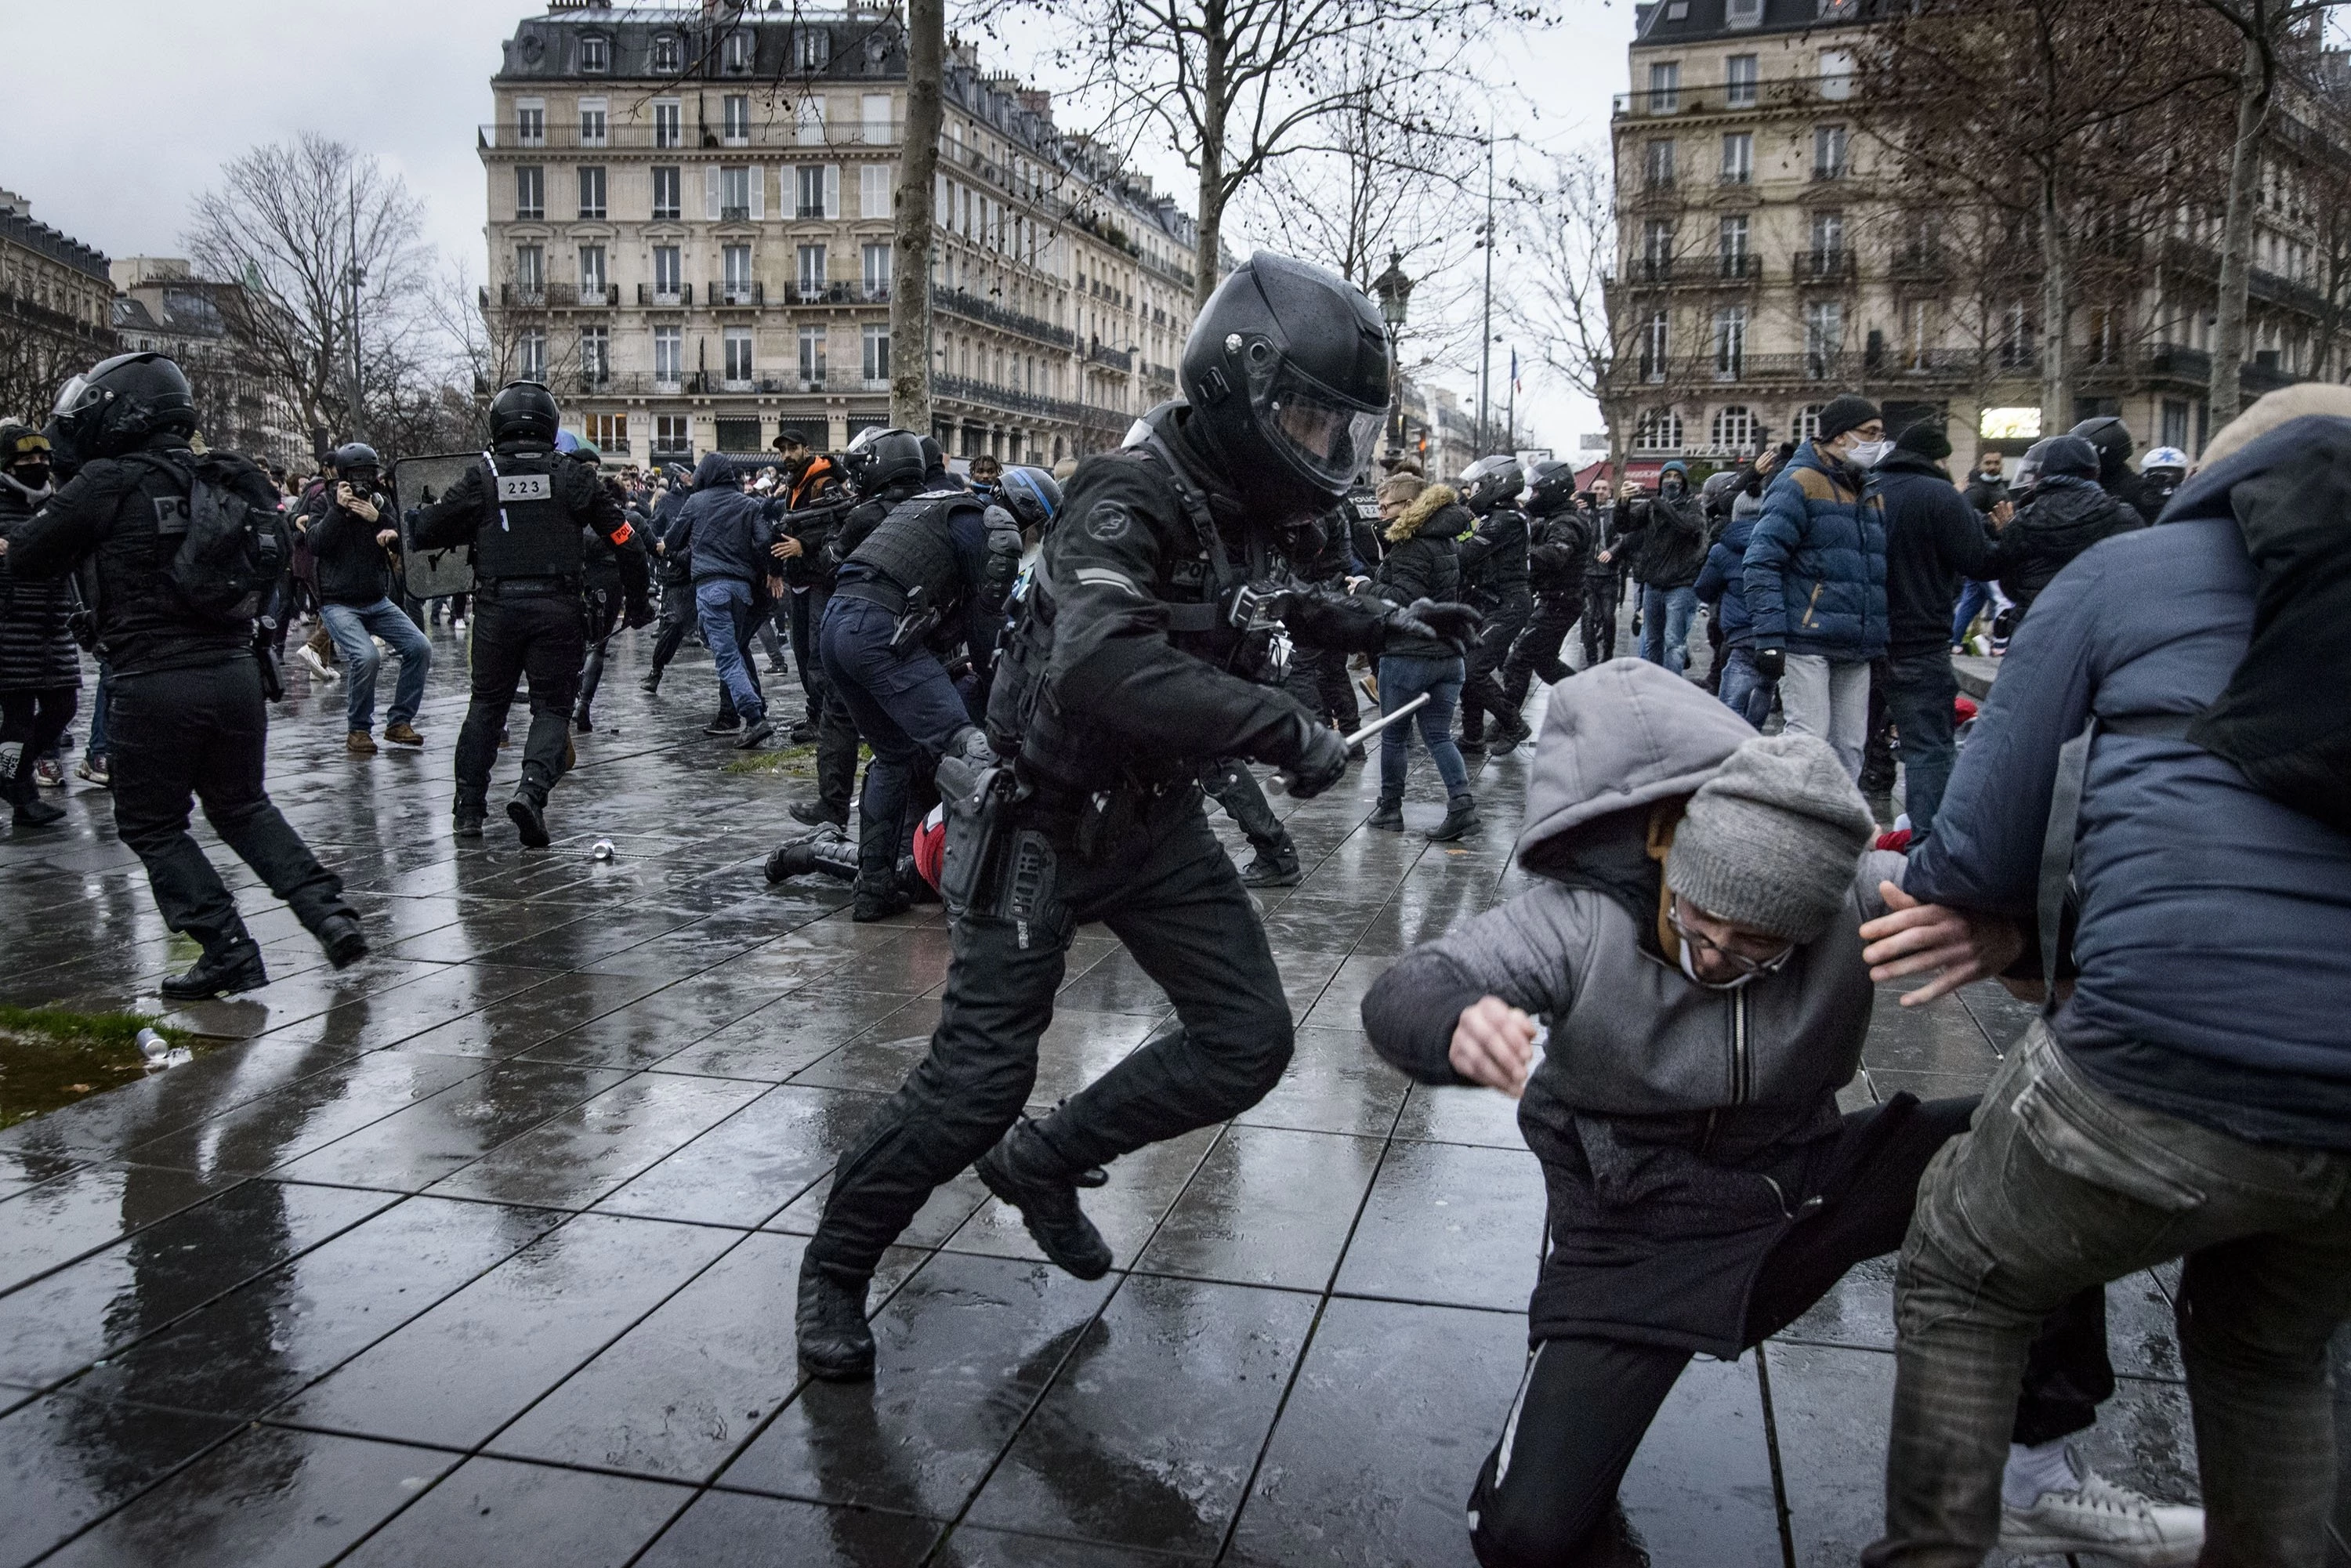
{"x":32,"y":476}
{"x":1870,"y":453}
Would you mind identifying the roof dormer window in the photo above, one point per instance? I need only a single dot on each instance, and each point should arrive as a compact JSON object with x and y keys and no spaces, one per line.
{"x":595,"y":54}
{"x":669,"y":55}
{"x":1743,"y":13}
{"x":737,"y":52}
{"x":815,"y":48}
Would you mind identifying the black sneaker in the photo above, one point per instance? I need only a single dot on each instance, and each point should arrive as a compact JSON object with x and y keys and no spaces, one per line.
{"x":758,"y":735}
{"x":813,"y":813}
{"x":724,"y":724}
{"x":1047,"y":1202}
{"x":650,"y":683}
{"x":345,"y":942}
{"x":1277,"y":870}
{"x":530,"y":818}
{"x":872,"y":906}
{"x":233,"y":967}
{"x":1470,"y":747}
{"x":836,"y":1344}
{"x":803,"y":733}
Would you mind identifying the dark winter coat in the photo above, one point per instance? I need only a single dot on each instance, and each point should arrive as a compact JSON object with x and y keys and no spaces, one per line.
{"x":36,"y":652}
{"x":1494,"y":554}
{"x":728,"y":530}
{"x":1933,"y":540}
{"x":2214,"y":942}
{"x":1816,"y":562}
{"x":352,"y":569}
{"x":1722,"y":582}
{"x":1667,"y":539}
{"x":2065,"y":517}
{"x":1558,"y":546}
{"x":1422,"y":563}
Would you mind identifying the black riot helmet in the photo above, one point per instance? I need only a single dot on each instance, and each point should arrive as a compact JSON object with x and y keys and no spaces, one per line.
{"x":355,"y":458}
{"x":1489,"y":482}
{"x":880,"y":457}
{"x":524,"y":412}
{"x":1287,"y":375}
{"x":1031,"y":494}
{"x":118,"y":403}
{"x":2113,"y":440}
{"x":1551,"y":486}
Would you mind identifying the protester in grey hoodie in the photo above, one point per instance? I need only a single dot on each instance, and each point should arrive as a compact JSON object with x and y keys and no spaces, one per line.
{"x":1691,"y":949}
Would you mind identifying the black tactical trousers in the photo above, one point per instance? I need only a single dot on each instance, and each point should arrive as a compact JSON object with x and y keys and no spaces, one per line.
{"x":176,"y":734}
{"x":677,"y":613}
{"x":1232,"y":786}
{"x":1167,"y":890}
{"x":1537,"y":651}
{"x":604,"y":606}
{"x":1481,"y":686}
{"x":537,"y":635}
{"x":1318,"y":679}
{"x":1601,"y":595}
{"x":807,"y":614}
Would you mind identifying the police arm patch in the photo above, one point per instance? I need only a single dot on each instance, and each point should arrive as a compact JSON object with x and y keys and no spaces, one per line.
{"x":1109,"y":522}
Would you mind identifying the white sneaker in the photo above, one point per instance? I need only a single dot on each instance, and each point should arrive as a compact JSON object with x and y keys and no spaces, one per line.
{"x":320,"y":669}
{"x":2096,"y":1515}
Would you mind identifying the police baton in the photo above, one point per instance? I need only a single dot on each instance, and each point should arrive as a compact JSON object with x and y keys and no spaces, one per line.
{"x":1351,"y":741}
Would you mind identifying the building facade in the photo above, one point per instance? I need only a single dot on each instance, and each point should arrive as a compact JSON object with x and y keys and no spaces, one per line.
{"x":160,"y":305}
{"x":690,"y":239}
{"x":1770,"y":255}
{"x":56,"y":311}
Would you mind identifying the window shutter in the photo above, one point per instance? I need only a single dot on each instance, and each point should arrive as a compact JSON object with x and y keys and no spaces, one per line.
{"x":758,"y":194}
{"x":942,"y":205}
{"x":833,"y":190}
{"x":710,"y":189}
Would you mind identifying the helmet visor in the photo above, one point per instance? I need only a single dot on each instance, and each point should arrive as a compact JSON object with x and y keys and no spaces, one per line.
{"x":71,"y":396}
{"x":1329,"y":437}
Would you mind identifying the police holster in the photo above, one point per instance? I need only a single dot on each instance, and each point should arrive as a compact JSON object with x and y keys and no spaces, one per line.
{"x":265,"y":654}
{"x":915,"y":622}
{"x":991,"y":863}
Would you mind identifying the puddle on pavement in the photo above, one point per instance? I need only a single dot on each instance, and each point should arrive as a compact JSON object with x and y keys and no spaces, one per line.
{"x":51,"y":1058}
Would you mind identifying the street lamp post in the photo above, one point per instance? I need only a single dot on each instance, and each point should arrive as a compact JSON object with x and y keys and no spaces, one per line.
{"x":1394,"y":291}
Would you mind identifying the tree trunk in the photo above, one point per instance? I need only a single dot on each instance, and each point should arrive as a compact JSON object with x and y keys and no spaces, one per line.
{"x":2225,"y":392}
{"x":2056,"y":313}
{"x":910,"y":250}
{"x":1216,"y":88}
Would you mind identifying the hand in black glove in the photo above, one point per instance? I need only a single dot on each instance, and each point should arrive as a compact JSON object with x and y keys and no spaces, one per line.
{"x":1322,"y":759}
{"x":640,"y":614}
{"x":1770,"y":662}
{"x":970,"y":745}
{"x":1444,"y":620}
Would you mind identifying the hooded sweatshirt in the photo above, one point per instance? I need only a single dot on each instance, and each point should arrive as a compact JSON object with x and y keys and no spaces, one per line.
{"x":727,"y":531}
{"x":1421,"y":563}
{"x":1678,"y":1123}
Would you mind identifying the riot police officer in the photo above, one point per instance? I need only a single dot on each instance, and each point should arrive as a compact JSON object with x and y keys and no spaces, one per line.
{"x":604,"y":589}
{"x":1494,"y":571}
{"x":1558,"y":543}
{"x":933,"y":573}
{"x":184,"y":550}
{"x":522,"y":511}
{"x":1161,"y":577}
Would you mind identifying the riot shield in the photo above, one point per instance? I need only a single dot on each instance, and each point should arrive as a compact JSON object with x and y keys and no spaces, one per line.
{"x":419,"y":482}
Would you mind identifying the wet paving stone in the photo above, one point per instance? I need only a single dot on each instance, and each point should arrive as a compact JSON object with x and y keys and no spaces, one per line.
{"x":496,"y":1511}
{"x":574,"y":1158}
{"x":1268,"y":1207}
{"x":1699,"y":1489}
{"x":65,"y":1462}
{"x":735,"y":1529}
{"x":1450,"y":1223}
{"x":422,"y":1143}
{"x":44,"y":1226}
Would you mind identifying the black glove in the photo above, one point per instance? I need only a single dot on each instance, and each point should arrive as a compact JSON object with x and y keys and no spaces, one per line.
{"x":1322,"y":759}
{"x":970,"y":745}
{"x":640,"y":614}
{"x":1770,"y":662}
{"x":1444,"y":620}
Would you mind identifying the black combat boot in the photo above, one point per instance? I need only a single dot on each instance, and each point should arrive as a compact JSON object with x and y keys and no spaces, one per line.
{"x":343,"y":940}
{"x":228,"y":968}
{"x":826,"y":849}
{"x":527,"y":811}
{"x":1273,"y":868}
{"x":466,"y":816}
{"x":1460,"y":819}
{"x":1023,"y":1171}
{"x":836,"y":1344}
{"x":24,"y":793}
{"x":1388,"y":815}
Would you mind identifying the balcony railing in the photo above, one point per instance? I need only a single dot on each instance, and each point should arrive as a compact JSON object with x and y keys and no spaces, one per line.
{"x":973,"y":307}
{"x":1116,"y":358}
{"x":507,"y":137}
{"x":842,"y":291}
{"x":1745,"y":97}
{"x":1827,"y":367}
{"x":654,"y":297}
{"x":737,"y":294}
{"x":1836,"y":266}
{"x":1698,"y":271}
{"x":556,"y":297}
{"x":1917,"y":264}
{"x":967,"y":389}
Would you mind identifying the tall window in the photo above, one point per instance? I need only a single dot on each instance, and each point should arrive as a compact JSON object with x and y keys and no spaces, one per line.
{"x":876,"y":343}
{"x":815,"y":48}
{"x":735,"y":263}
{"x":668,"y":273}
{"x":735,"y":119}
{"x":530,"y":271}
{"x":1824,"y":336}
{"x":1829,"y":146}
{"x":669,"y":55}
{"x":1739,"y":78}
{"x":1828,"y":243}
{"x":591,"y":190}
{"x":874,"y":191}
{"x":815,"y":185}
{"x":811,"y":271}
{"x":1918,"y":333}
{"x":1654,"y":338}
{"x":2175,"y":422}
{"x":874,"y":113}
{"x":2016,"y":349}
{"x":669,"y":122}
{"x":530,"y":122}
{"x":592,"y":121}
{"x":877,"y":270}
{"x":1837,"y":75}
{"x":673,"y":433}
{"x":808,"y":121}
{"x":1737,"y":157}
{"x":668,"y":190}
{"x":530,"y":191}
{"x":1808,"y":421}
{"x":1660,"y":162}
{"x":812,"y":351}
{"x":530,"y":354}
{"x":591,"y":274}
{"x":735,"y":54}
{"x":1734,"y":429}
{"x":738,"y":356}
{"x":1733,"y":240}
{"x":669,"y":355}
{"x":595,"y":355}
{"x":1664,"y":87}
{"x":1659,"y":430}
{"x":734,"y":195}
{"x":1658,"y":248}
{"x":595,"y":54}
{"x":1730,"y":341}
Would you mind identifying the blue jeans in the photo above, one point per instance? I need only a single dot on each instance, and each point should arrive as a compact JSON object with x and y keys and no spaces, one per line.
{"x":1402,"y":678}
{"x":97,"y":751}
{"x":1974,"y":600}
{"x":1745,"y":692}
{"x":354,"y":628}
{"x":1665,"y":616}
{"x":906,"y":708}
{"x":1919,"y":697}
{"x":723,"y":604}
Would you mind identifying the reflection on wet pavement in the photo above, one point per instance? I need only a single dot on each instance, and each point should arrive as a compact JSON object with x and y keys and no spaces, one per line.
{"x":483,"y":1251}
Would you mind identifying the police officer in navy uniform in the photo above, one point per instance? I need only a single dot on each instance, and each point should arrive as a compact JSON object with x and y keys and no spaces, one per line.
{"x":186,"y":703}
{"x":1117,"y":684}
{"x":522,"y":511}
{"x":932,"y":573}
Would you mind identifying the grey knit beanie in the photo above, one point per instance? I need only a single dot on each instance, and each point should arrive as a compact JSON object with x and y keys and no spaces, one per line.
{"x":1771,"y":842}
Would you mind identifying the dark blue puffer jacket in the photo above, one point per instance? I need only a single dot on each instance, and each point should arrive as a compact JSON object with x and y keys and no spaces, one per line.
{"x":1816,"y":563}
{"x":2215,"y":937}
{"x":1725,"y":575}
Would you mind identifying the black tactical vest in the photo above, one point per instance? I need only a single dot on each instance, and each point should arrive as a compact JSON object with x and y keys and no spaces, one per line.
{"x":527,"y":529}
{"x":913,"y":547}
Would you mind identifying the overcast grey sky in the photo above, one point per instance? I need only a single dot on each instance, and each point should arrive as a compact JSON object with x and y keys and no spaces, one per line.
{"x":117,"y":113}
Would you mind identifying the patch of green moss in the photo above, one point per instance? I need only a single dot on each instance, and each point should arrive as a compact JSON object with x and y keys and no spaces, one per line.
{"x":51,"y":1057}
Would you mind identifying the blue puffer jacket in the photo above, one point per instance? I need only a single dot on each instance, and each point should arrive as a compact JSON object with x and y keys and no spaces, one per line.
{"x":1724,"y":577}
{"x":727,"y":531}
{"x":1816,"y":563}
{"x":2215,"y":937}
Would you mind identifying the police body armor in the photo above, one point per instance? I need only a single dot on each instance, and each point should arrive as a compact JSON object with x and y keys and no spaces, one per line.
{"x":530,"y":531}
{"x":913,"y":549}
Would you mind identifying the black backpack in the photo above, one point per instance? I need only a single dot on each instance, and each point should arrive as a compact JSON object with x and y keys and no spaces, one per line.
{"x":227,"y":556}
